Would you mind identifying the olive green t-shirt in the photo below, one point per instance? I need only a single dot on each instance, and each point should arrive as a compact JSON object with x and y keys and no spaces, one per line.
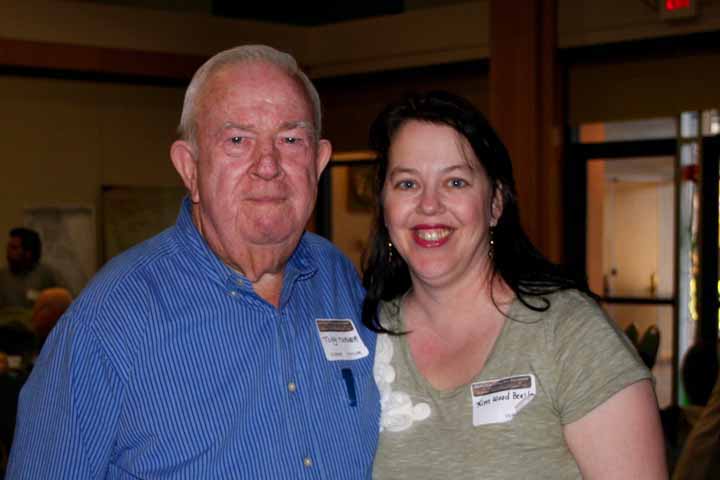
{"x":560,"y":364}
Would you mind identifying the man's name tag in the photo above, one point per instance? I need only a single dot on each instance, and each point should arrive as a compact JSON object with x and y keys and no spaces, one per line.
{"x":499,"y":400}
{"x":340,"y":339}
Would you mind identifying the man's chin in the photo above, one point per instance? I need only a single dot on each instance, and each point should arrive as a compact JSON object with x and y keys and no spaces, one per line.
{"x":277,"y":238}
{"x":275,"y":225}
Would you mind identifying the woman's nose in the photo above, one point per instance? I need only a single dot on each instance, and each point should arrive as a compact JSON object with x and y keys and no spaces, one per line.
{"x":430,"y":202}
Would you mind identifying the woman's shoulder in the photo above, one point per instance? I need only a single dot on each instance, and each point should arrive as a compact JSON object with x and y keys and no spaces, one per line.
{"x":573,"y":314}
{"x":555,"y":303}
{"x":572,"y":301}
{"x":560,"y":310}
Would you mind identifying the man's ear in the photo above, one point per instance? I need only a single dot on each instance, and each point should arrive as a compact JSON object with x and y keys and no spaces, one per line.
{"x":185,"y":162}
{"x":496,"y":207}
{"x":324,"y":152}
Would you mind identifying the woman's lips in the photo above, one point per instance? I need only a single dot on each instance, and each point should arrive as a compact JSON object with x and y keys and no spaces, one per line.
{"x":431,"y":236}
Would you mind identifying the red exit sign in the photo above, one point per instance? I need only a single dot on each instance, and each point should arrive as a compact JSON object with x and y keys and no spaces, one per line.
{"x":670,"y":9}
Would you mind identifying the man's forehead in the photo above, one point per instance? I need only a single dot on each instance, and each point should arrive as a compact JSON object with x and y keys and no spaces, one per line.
{"x":259,"y":78}
{"x":286,"y":125}
{"x":253,"y":85}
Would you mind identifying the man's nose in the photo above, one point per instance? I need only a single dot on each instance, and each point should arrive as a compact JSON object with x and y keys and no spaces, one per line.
{"x":267,"y":165}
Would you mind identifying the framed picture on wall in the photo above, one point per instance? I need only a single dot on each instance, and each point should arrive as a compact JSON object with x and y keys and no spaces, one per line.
{"x":360,"y":188}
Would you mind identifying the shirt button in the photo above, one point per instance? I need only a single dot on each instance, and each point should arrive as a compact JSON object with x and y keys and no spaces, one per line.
{"x":291,"y":388}
{"x":233,"y":293}
{"x":307,"y":461}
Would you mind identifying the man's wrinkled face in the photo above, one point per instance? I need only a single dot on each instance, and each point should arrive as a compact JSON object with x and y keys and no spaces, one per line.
{"x":257,"y":157}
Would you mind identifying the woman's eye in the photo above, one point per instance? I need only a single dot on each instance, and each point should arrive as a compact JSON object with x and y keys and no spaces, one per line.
{"x":458,"y":183}
{"x":405,"y":184}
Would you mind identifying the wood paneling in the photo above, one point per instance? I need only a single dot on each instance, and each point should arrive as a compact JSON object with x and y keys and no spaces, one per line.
{"x":351,"y":103}
{"x":22,"y":54}
{"x":524,"y":109}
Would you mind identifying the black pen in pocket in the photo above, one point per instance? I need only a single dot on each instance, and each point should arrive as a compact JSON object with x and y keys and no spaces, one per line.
{"x":350,"y":384}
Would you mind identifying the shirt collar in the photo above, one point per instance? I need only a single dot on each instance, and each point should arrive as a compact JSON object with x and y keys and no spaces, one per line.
{"x":301,"y":264}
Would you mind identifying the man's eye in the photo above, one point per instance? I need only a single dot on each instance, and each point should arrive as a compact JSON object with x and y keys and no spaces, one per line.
{"x":292,"y":140}
{"x":236,"y":145}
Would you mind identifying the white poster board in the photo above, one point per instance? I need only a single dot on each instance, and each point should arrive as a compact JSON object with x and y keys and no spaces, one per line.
{"x":69,"y":244}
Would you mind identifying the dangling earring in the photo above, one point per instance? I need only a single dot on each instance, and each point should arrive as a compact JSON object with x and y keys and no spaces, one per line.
{"x":491,"y":249}
{"x":390,"y":249}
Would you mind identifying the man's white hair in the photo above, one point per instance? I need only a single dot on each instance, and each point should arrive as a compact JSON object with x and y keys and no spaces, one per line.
{"x":243,"y":54}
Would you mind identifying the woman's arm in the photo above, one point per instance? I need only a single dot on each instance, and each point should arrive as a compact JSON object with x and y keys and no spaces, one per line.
{"x":621,"y":438}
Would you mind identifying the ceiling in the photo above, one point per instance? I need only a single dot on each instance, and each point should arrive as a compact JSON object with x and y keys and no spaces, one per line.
{"x":307,"y":13}
{"x":317,"y":12}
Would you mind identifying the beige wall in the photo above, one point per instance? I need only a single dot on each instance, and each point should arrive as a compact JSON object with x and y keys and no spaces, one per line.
{"x":647,"y":87}
{"x":61,"y":140}
{"x":631,"y":233}
{"x":431,"y":36}
{"x":152,"y":30}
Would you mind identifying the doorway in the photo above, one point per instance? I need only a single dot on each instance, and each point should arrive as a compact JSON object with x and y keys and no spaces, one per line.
{"x":623,"y":239}
{"x":642,"y":223}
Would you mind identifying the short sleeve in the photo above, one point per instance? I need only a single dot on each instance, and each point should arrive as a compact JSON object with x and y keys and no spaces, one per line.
{"x":594,"y":358}
{"x":68,"y":409}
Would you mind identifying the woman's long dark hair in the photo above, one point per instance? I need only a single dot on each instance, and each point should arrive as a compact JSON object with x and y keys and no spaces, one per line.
{"x":523,"y":268}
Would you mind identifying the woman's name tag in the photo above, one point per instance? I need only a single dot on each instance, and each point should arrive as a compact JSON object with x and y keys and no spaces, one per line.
{"x":499,"y":400}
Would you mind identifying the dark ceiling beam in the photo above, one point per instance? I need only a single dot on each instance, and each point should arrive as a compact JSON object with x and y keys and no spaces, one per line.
{"x":31,"y":55}
{"x":318,"y":12}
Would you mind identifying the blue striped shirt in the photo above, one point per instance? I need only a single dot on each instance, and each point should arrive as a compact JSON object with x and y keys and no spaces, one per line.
{"x":170,"y":366}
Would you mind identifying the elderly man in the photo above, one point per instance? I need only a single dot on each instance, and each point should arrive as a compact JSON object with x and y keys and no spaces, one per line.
{"x":228,"y":346}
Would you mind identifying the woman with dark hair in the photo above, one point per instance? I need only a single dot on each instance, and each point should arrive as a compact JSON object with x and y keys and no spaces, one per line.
{"x":491,"y":361}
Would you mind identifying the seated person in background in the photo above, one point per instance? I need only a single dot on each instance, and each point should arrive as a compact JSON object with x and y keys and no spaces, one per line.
{"x":700,"y":457}
{"x":23,"y":331}
{"x":699,"y":372}
{"x":18,"y":345}
{"x":17,"y":349}
{"x":14,"y":315}
{"x":49,"y":307}
{"x":24,"y":277}
{"x":505,"y":366}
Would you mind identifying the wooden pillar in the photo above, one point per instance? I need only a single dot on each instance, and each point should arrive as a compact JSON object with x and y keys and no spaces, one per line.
{"x":526,"y":110}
